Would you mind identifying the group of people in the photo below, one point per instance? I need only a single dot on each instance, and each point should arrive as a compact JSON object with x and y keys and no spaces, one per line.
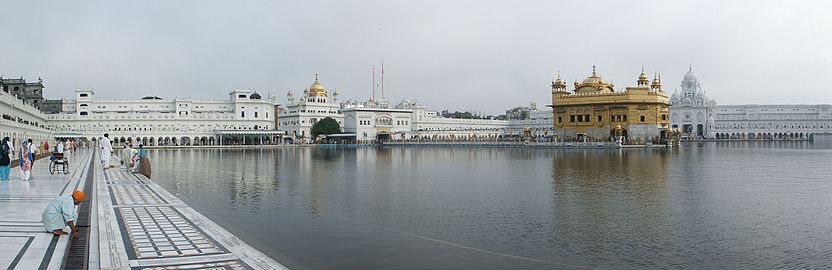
{"x":26,"y":154}
{"x":61,"y":214}
{"x":131,"y":159}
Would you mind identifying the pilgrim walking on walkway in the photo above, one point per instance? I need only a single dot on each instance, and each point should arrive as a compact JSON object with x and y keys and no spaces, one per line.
{"x":106,"y":151}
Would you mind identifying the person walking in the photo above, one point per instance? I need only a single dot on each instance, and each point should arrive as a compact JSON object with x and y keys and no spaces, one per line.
{"x":11,"y":146}
{"x":25,"y":162}
{"x":33,"y":150}
{"x":106,"y":150}
{"x":60,"y":147}
{"x":5,"y":159}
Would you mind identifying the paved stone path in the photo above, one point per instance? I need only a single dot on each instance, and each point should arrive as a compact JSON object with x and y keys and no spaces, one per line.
{"x":24,"y":243}
{"x":135,"y":224}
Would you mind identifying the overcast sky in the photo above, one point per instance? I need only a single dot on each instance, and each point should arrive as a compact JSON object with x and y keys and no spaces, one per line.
{"x":484,"y":56}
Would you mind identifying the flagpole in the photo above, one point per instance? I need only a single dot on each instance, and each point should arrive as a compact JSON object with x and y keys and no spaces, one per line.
{"x":382,"y":79}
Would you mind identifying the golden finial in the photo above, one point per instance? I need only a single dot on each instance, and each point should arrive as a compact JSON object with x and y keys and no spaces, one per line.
{"x":593,"y":70}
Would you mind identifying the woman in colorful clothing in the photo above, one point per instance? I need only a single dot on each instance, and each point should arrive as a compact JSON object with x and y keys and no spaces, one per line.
{"x":25,"y":162}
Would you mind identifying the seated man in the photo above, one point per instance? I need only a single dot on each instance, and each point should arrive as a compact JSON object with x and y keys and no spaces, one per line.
{"x":61,"y":213}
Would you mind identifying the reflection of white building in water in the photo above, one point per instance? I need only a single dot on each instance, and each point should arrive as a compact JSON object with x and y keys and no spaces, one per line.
{"x":699,"y":117}
{"x":246,"y":118}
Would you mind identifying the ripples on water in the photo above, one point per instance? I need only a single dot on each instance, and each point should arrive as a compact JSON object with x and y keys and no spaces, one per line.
{"x":726,"y":205}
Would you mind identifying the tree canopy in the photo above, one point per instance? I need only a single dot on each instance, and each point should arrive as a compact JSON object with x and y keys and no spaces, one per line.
{"x":325,"y":127}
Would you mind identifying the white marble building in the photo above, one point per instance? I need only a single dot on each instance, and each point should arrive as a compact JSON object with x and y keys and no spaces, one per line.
{"x":22,"y":121}
{"x":378,"y":120}
{"x":691,"y":109}
{"x":373,"y":121}
{"x":153,"y":120}
{"x":699,"y":117}
{"x":315,"y":104}
{"x":539,"y":124}
{"x":775,"y":122}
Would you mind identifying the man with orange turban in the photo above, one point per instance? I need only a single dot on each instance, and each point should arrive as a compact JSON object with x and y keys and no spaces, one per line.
{"x":61,"y":213}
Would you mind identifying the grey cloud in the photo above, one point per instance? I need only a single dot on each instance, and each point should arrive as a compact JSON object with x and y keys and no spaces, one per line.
{"x":467,"y":55}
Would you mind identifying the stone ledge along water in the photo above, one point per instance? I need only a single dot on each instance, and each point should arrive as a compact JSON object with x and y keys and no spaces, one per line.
{"x":134,"y":224}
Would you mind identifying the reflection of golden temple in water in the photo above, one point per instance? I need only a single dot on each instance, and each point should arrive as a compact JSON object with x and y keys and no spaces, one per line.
{"x":589,"y":179}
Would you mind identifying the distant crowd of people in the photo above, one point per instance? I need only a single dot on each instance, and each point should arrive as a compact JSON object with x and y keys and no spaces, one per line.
{"x":130,"y":159}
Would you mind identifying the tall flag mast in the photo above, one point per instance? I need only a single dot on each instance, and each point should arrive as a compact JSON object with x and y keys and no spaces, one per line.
{"x":374,"y":83}
{"x":382,"y":79}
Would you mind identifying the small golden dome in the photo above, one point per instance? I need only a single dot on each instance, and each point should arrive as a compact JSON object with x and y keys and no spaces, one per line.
{"x":558,"y":84}
{"x":642,"y":78}
{"x":316,"y":89}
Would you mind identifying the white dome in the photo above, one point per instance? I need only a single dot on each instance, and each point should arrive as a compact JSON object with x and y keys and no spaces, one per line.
{"x":690,"y":76}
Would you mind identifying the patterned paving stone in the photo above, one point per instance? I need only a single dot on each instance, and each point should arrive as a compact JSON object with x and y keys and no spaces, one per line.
{"x":135,"y":195}
{"x":158,"y":231}
{"x":226,"y":265}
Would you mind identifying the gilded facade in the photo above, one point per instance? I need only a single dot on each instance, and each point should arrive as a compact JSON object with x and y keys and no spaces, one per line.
{"x":594,"y":111}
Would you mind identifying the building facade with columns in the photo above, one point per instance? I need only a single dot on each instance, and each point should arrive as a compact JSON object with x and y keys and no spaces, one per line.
{"x":594,"y":110}
{"x":771,"y":122}
{"x":699,"y":117}
{"x":373,"y":121}
{"x":22,"y":120}
{"x":315,"y":104}
{"x":531,"y":120}
{"x":155,"y":121}
{"x":430,"y":125}
{"x":377,"y":121}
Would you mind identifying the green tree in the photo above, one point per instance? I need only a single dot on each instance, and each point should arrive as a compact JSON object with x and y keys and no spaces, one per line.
{"x":325,"y":127}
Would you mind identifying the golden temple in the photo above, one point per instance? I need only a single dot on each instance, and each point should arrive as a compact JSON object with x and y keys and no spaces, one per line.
{"x":594,"y":111}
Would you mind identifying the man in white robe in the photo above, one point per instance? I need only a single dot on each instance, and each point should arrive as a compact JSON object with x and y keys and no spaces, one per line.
{"x":106,"y":150}
{"x":61,"y":213}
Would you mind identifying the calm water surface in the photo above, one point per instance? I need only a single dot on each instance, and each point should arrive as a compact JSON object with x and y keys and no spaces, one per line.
{"x":727,"y":205}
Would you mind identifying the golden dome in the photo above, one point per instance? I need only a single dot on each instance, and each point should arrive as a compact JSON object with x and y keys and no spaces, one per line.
{"x":643,"y":76}
{"x":657,"y":82}
{"x":593,"y":83}
{"x":558,"y":84}
{"x":316,"y":89}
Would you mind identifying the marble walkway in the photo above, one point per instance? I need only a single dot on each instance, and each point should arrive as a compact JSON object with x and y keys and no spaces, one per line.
{"x":24,"y":243}
{"x":135,"y":224}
